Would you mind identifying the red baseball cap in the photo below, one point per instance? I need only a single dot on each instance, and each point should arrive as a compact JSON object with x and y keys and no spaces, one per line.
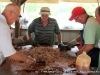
{"x":77,"y":11}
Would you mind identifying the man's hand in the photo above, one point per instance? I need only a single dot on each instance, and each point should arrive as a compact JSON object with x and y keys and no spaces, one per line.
{"x":18,"y":42}
{"x":30,"y":61}
{"x":61,"y":47}
{"x":70,"y":54}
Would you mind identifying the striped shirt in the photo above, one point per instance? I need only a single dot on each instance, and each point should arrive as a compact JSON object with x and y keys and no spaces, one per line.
{"x":44,"y":34}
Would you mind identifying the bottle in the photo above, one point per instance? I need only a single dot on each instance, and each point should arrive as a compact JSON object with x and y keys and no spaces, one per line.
{"x":83,"y":63}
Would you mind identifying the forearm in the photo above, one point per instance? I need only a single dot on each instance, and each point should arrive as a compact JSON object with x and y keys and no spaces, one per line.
{"x":59,"y":38}
{"x":78,"y":39}
{"x":18,"y":57}
{"x":29,"y":35}
{"x":86,"y":48}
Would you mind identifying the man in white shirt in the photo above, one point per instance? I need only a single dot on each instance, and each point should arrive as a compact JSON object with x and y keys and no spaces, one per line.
{"x":8,"y":16}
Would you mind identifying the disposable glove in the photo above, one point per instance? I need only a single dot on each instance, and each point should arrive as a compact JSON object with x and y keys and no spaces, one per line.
{"x":30,"y":42}
{"x":63,"y":47}
{"x":18,"y":42}
{"x":70,"y":54}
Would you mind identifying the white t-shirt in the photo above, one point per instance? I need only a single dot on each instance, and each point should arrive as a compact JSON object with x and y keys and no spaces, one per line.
{"x":6,"y":46}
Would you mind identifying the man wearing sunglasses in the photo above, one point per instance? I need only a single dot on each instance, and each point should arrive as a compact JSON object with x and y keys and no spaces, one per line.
{"x":90,"y":34}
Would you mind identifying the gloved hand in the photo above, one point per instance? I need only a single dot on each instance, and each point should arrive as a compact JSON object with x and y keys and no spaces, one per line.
{"x":63,"y":47}
{"x":70,"y":54}
{"x":72,"y":43}
{"x":30,"y":42}
{"x":18,"y":42}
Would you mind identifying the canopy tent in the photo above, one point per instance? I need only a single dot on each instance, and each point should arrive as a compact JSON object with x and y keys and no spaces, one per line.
{"x":56,"y":1}
{"x":81,"y":1}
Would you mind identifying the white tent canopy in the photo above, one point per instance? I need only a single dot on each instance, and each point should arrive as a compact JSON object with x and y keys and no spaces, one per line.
{"x":56,"y":1}
{"x":81,"y":1}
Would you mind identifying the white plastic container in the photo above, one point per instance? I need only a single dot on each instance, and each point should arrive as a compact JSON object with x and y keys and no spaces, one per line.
{"x":83,"y":64}
{"x":27,"y":47}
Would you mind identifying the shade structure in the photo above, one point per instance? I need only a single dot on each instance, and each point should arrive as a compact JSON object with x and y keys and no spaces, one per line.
{"x":56,"y":1}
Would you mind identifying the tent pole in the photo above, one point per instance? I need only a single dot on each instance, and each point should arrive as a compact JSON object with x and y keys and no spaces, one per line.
{"x":98,"y":2}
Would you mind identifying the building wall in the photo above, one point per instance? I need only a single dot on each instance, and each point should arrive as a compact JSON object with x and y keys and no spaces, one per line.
{"x":67,"y":35}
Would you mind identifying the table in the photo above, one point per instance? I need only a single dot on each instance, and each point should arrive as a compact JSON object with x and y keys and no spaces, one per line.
{"x":11,"y":68}
{"x":6,"y":69}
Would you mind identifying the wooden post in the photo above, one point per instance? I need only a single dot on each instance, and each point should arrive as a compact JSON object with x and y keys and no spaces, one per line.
{"x":17,"y":29}
{"x":17,"y":24}
{"x":98,"y":2}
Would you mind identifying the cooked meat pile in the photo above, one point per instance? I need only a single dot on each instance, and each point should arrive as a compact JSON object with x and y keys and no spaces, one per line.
{"x":53,"y":58}
{"x":44,"y":54}
{"x":48,"y":54}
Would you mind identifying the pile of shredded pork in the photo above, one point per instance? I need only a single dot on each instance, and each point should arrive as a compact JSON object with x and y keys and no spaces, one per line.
{"x":43,"y":54}
{"x":48,"y":54}
{"x":54,"y":59}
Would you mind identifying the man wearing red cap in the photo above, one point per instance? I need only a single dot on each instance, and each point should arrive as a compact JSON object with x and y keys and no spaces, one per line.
{"x":89,"y":35}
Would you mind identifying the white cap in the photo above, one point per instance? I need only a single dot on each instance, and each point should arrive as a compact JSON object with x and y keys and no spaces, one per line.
{"x":45,"y":10}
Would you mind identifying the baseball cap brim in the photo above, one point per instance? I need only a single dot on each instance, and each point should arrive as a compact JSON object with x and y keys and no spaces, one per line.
{"x":72,"y":17}
{"x":77,"y":11}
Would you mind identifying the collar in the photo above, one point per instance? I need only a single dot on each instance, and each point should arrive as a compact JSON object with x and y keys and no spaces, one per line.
{"x":87,"y":19}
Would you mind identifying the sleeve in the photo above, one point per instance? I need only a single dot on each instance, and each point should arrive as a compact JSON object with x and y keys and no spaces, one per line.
{"x":31,"y":27}
{"x":57,"y":30}
{"x":6,"y":45}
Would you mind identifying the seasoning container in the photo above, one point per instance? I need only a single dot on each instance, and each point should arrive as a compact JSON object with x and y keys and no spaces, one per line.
{"x":83,"y":64}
